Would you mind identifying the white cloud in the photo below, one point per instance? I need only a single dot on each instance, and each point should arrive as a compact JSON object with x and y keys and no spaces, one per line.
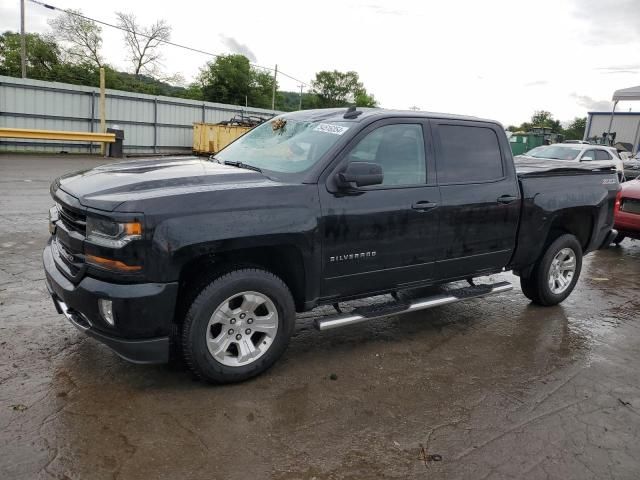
{"x":236,"y":47}
{"x":536,"y":83}
{"x":592,"y":105}
{"x":617,"y":69}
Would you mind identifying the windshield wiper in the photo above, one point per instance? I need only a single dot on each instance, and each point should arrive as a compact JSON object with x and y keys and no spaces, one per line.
{"x":241,"y":165}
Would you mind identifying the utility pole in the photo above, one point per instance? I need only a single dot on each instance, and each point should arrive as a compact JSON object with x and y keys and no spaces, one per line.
{"x":23,"y":42}
{"x":273,"y":96}
{"x":102,"y":109}
{"x":300,"y":105}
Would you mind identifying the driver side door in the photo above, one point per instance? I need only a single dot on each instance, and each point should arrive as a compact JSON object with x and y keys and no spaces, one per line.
{"x":381,"y":237}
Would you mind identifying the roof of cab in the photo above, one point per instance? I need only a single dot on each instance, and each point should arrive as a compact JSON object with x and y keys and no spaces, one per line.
{"x":337,"y":115}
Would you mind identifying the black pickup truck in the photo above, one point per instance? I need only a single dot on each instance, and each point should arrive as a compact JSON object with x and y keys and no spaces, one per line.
{"x":213,"y":257}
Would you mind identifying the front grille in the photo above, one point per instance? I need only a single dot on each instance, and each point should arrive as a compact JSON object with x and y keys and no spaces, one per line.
{"x":67,"y":245}
{"x":73,"y":262}
{"x":630,"y":205}
{"x":74,"y":220}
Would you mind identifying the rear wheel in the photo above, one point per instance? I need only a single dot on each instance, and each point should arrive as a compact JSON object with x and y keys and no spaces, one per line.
{"x":555,"y":275}
{"x":238,"y":326}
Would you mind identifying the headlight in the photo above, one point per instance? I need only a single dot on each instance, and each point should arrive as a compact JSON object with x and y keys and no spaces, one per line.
{"x":112,"y":234}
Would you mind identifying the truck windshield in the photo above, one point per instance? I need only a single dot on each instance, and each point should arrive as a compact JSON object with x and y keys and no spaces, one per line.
{"x":284,"y":145}
{"x":554,"y":153}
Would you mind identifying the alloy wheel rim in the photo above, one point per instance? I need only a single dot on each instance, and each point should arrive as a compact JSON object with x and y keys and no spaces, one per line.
{"x":562,"y":270}
{"x":242,"y":329}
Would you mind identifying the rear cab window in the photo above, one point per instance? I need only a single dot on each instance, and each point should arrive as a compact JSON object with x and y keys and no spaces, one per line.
{"x":468,"y":154}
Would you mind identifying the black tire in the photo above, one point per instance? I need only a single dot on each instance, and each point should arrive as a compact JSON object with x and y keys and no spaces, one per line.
{"x":527,"y":284}
{"x":619,"y":238}
{"x":536,"y":286}
{"x":196,"y":324}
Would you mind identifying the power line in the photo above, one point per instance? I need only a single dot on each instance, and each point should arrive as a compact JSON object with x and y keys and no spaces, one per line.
{"x":70,"y":12}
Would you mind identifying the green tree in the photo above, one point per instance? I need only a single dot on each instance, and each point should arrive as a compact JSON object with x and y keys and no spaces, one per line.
{"x":231,"y":79}
{"x":261,"y":89}
{"x":290,"y":101}
{"x":43,"y":56}
{"x":339,"y":89}
{"x":575,"y":130}
{"x":192,"y":91}
{"x":542,"y":118}
{"x":77,"y":73}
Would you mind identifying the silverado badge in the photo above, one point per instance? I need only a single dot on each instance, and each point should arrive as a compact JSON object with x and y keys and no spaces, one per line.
{"x":352,"y":256}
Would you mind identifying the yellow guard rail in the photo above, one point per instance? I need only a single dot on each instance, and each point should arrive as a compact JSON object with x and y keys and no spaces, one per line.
{"x":56,"y":135}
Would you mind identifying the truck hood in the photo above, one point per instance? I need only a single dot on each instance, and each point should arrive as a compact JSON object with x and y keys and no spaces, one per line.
{"x":107,"y":186}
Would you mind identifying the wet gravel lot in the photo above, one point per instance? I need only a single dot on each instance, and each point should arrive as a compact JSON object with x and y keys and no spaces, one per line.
{"x":497,"y":387}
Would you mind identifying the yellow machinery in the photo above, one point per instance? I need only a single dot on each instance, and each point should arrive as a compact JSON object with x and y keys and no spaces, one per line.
{"x":210,"y":138}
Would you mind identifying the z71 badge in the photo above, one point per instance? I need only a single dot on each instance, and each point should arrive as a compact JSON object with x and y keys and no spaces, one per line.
{"x":352,"y":256}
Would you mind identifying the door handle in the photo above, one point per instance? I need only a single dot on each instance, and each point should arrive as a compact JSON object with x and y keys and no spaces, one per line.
{"x":424,"y":206}
{"x":507,"y":199}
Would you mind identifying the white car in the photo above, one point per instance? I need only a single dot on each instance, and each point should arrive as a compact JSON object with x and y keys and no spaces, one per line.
{"x":597,"y":155}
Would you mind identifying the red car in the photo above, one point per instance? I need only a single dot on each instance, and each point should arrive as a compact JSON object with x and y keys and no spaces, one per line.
{"x":627,"y":211}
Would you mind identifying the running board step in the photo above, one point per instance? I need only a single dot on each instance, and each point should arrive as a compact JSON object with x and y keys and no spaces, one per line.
{"x":363,"y":314}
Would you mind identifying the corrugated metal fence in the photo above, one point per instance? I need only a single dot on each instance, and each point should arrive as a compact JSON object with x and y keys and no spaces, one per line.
{"x":151,"y":124}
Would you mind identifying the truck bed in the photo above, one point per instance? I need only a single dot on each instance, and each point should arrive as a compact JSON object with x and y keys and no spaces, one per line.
{"x":558,"y":198}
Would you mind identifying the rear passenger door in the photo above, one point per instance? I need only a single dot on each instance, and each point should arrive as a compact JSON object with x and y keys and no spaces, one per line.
{"x":480,"y":198}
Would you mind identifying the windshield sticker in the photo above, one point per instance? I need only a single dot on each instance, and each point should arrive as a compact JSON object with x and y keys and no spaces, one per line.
{"x":328,"y":128}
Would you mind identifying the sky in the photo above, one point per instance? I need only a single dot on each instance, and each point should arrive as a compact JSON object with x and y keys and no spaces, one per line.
{"x":497,"y":59}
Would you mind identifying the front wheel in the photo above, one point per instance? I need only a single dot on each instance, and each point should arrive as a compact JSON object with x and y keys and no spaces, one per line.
{"x":238,"y":326}
{"x":555,"y":275}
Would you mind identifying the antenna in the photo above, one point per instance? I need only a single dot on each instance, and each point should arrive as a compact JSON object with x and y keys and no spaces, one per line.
{"x":352,"y":112}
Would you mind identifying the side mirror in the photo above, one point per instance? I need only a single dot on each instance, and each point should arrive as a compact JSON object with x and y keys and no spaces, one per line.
{"x":360,"y":174}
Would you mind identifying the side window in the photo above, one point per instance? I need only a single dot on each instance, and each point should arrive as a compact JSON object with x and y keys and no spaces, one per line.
{"x":398,"y":149}
{"x":602,"y":155}
{"x":588,"y":156}
{"x":468,"y":154}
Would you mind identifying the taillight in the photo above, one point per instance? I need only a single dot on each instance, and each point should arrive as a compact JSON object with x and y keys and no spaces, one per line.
{"x":618,"y":200}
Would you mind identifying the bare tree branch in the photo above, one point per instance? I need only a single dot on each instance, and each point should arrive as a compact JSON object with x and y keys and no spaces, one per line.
{"x":143,"y":43}
{"x":82,"y":37}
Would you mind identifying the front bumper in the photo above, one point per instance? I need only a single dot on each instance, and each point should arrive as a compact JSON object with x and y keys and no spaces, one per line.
{"x":144,"y":312}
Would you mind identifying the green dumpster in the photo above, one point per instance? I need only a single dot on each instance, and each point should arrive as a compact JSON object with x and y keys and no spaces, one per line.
{"x":523,"y":142}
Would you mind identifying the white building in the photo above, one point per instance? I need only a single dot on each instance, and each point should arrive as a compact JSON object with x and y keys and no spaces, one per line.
{"x":626,"y":125}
